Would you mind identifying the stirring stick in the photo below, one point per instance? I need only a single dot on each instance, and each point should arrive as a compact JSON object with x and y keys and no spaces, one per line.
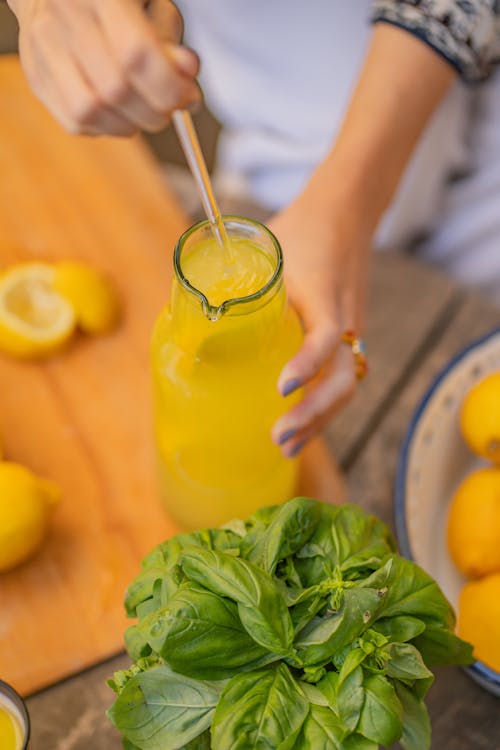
{"x":192,"y":151}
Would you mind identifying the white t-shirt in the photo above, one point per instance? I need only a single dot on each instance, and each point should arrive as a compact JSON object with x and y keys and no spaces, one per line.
{"x":278,"y":74}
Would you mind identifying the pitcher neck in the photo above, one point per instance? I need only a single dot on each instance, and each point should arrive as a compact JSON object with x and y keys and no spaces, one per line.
{"x":188,"y":296}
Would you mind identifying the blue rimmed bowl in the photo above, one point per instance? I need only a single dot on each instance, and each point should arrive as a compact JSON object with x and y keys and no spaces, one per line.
{"x":434,"y":460}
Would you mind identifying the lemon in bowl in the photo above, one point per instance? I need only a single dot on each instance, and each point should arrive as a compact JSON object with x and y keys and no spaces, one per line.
{"x":473,"y":530}
{"x":480,"y":418}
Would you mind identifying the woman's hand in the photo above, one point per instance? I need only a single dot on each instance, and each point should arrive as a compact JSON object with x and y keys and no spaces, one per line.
{"x":325,"y":274}
{"x":326,"y":233}
{"x":106,"y":66}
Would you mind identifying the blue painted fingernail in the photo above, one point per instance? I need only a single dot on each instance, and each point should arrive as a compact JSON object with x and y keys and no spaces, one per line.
{"x":296,"y":449}
{"x":286,"y":436}
{"x":291,"y":386}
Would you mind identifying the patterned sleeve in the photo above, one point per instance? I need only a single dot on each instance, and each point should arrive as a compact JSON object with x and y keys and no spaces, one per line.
{"x":464,"y":32}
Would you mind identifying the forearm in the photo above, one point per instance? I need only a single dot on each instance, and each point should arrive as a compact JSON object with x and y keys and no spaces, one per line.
{"x":400,"y":85}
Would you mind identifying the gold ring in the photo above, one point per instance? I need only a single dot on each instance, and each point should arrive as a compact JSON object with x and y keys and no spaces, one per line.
{"x":358,"y":348}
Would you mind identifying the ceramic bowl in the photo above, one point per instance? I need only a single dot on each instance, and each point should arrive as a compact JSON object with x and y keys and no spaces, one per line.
{"x":433,"y":462}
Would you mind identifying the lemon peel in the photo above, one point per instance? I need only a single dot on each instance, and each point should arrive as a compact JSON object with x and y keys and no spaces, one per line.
{"x":26,"y":505}
{"x":480,"y":418}
{"x":473,"y":531}
{"x":91,"y":294}
{"x":479,"y":618}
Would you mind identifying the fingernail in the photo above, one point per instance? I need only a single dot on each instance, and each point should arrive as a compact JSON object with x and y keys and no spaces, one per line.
{"x":290,"y":386}
{"x":286,"y":436}
{"x":296,"y":449}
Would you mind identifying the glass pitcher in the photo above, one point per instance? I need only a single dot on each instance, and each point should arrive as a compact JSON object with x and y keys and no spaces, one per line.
{"x":215,"y":368}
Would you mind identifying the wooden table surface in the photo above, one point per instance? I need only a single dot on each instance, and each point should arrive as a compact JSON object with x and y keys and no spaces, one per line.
{"x":417,"y":320}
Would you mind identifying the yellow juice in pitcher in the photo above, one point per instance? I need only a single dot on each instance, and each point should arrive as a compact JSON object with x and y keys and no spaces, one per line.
{"x":217,"y":353}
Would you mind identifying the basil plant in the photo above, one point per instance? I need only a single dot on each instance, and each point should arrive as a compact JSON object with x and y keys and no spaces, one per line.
{"x":298,"y":629}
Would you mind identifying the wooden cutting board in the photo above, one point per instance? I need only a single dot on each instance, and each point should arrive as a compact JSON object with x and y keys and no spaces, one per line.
{"x":83,"y":418}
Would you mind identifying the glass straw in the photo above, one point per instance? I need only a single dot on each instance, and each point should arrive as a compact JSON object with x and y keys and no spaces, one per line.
{"x":188,"y":138}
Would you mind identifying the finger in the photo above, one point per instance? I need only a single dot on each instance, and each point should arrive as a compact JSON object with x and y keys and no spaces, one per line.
{"x":77,"y":105}
{"x":157,"y":73}
{"x":169,"y":26}
{"x":318,"y":406}
{"x":98,"y":65}
{"x":166,"y":19}
{"x":317,"y":348}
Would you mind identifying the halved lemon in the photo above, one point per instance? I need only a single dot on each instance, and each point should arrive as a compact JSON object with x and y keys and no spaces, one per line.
{"x":92,"y":295}
{"x":34,"y":319}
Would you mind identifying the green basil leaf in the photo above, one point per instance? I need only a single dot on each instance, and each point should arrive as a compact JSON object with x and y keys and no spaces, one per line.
{"x":123,"y":676}
{"x":262,"y":517}
{"x":129,"y":746}
{"x":288,"y":531}
{"x":440,"y":647}
{"x":141,"y":588}
{"x":312,"y":693}
{"x":202,"y":742}
{"x":308,"y":605}
{"x":261,"y":710}
{"x":345,"y":697}
{"x":287,"y":574}
{"x":346,"y":538}
{"x":416,"y":724}
{"x":256,"y":526}
{"x":159,"y":565}
{"x":321,"y":730}
{"x":166,"y":554}
{"x":322,"y":637}
{"x":199,"y":634}
{"x":350,"y":699}
{"x":401,"y":628}
{"x":161,"y":710}
{"x":405,"y":662}
{"x":135,"y":643}
{"x":237,"y":526}
{"x":358,"y":742}
{"x":382,"y":713}
{"x":261,"y":606}
{"x":411,"y":591}
{"x":352,"y":661}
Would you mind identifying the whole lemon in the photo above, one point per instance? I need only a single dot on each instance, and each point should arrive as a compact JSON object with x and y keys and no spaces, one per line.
{"x":91,"y":294}
{"x":474,"y":524}
{"x":479,"y":618}
{"x":26,"y":504}
{"x":480,"y":418}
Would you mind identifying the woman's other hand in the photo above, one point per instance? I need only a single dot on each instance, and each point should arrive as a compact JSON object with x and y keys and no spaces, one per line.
{"x":326,"y":268}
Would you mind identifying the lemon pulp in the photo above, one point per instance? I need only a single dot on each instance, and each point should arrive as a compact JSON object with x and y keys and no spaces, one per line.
{"x":34,"y":319}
